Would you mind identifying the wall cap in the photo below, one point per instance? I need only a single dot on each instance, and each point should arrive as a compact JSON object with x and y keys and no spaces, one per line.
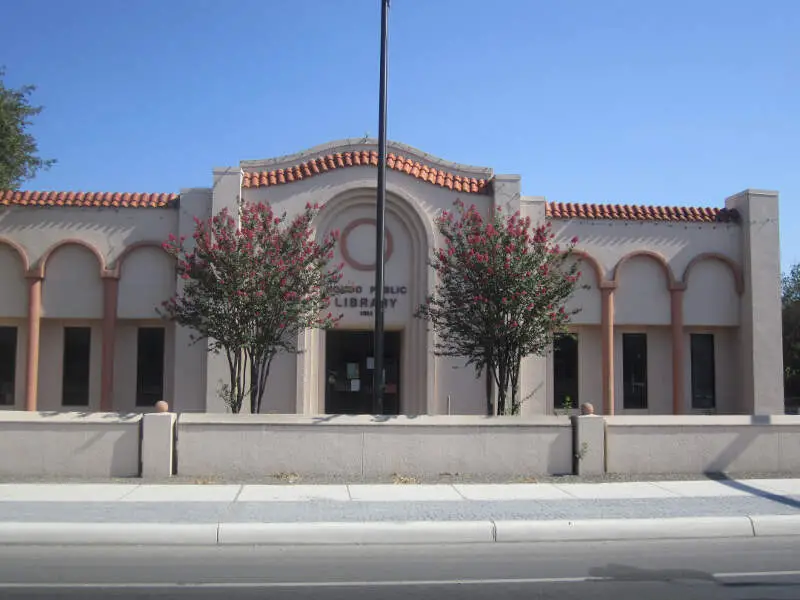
{"x":191,"y":419}
{"x":74,"y":417}
{"x":701,"y":420}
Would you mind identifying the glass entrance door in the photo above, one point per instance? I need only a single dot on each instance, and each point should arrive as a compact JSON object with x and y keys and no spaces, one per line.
{"x":350,"y":369}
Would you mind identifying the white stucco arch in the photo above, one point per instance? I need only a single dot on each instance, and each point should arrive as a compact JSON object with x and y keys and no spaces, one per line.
{"x":418,"y":387}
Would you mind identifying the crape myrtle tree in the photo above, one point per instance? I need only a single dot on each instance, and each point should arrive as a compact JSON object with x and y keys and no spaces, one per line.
{"x":250,"y":288}
{"x":500,"y":294}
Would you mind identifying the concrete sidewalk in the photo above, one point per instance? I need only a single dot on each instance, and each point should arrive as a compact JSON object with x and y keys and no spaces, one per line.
{"x":395,"y":514}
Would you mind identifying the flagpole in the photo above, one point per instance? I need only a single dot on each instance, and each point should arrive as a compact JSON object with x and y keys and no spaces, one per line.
{"x":380,"y":226}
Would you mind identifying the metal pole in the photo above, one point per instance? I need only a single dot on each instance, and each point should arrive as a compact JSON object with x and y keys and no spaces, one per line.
{"x":378,"y":382}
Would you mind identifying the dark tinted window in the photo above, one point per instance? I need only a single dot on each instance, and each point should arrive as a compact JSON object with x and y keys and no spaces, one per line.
{"x":634,"y":370}
{"x":150,"y":366}
{"x":75,"y":379}
{"x":703,"y":375}
{"x":8,"y":364}
{"x":565,"y":370}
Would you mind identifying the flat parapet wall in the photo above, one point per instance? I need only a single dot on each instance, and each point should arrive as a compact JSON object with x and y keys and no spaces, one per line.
{"x":69,"y":444}
{"x":365,"y":446}
{"x":703,"y":444}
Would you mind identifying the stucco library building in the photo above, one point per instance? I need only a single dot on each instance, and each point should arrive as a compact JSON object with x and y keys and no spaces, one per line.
{"x":681,"y":313}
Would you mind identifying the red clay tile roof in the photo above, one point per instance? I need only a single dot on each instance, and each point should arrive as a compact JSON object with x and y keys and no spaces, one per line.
{"x":564,"y":210}
{"x":342,"y":160}
{"x":88,"y":199}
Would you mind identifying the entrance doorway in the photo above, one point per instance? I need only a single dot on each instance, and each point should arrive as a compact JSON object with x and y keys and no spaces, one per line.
{"x":350,"y":368}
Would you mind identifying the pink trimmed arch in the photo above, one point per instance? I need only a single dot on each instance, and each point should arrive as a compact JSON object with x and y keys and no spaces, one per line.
{"x":126,"y":253}
{"x":736,"y":270}
{"x":593,"y":263}
{"x":42,"y":265}
{"x":649,"y":254}
{"x":23,"y":257}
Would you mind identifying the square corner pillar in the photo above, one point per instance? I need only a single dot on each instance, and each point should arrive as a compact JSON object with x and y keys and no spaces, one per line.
{"x":589,"y":445}
{"x":227,"y":190}
{"x":760,"y":325}
{"x":189,"y":358}
{"x":506,"y":192}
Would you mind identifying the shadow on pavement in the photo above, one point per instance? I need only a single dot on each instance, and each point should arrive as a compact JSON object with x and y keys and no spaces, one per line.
{"x":738,"y":485}
{"x":615,"y":573}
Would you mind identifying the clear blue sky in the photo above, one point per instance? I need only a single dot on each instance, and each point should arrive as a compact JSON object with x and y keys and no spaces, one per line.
{"x":671,"y":102}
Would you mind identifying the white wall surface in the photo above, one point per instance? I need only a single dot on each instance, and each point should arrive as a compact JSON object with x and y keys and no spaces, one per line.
{"x":72,"y":288}
{"x":642,"y":297}
{"x":280,"y":396}
{"x":14,"y":287}
{"x":467,"y":392}
{"x":69,"y":444}
{"x":147,"y":278}
{"x":260,"y":445}
{"x":696,"y":445}
{"x":588,"y":301}
{"x":710,"y":298}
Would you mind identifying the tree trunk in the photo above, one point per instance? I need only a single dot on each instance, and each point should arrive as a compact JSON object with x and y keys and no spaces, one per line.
{"x":516,"y":405}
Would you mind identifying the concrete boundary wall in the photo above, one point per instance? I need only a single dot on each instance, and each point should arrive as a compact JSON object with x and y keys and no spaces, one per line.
{"x":156,"y":446}
{"x":365,"y":446}
{"x":702,"y":444}
{"x":72,"y":444}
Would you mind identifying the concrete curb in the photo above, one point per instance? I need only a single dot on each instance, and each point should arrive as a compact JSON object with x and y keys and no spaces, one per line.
{"x":109,"y":534}
{"x":418,"y":532}
{"x":624,"y":529}
{"x":389,"y":533}
{"x":776,"y":525}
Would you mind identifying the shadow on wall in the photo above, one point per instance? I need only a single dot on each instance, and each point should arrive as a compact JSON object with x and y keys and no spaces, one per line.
{"x":94,"y":415}
{"x":742,"y":442}
{"x":124,"y":224}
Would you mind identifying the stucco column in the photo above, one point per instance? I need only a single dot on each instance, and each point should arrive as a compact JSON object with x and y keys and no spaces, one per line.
{"x":607,"y":330}
{"x":110,"y":300}
{"x":676,"y":308}
{"x":34,"y":319}
{"x":760,"y":330}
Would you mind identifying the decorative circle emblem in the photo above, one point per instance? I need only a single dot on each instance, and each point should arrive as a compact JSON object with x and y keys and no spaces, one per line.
{"x":348,"y":258}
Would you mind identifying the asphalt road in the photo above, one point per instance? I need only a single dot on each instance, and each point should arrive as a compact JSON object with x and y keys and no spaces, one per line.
{"x":753,"y":569}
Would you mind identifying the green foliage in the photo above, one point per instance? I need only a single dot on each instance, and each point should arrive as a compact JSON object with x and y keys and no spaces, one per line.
{"x":19,"y":160}
{"x":250,"y":289}
{"x":500,"y":294}
{"x":790,"y":302}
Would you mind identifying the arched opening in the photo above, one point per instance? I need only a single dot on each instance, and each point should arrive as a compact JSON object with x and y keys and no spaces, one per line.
{"x":409,"y":363}
{"x":13,"y":342}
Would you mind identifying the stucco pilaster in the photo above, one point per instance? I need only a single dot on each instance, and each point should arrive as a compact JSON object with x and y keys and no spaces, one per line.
{"x":189,"y":358}
{"x":34,"y":322}
{"x":110,"y":302}
{"x":760,"y":330}
{"x":534,"y":369}
{"x":226,"y":195}
{"x":607,"y":332}
{"x":676,"y":306}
